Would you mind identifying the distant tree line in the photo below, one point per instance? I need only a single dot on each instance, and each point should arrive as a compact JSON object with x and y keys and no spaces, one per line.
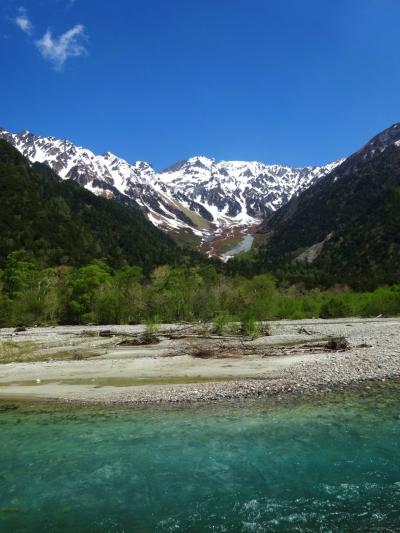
{"x":97,"y":293}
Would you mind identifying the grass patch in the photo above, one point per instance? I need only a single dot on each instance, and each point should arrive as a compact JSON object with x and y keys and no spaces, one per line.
{"x":29,"y":352}
{"x":11,"y":352}
{"x":197,"y":219}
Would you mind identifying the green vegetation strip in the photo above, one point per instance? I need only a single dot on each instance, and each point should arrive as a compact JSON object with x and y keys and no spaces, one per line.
{"x":96,"y":293}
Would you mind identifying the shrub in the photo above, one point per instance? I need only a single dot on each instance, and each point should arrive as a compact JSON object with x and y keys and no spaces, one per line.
{"x":222,"y":324}
{"x":252,"y":328}
{"x":338,"y":343}
{"x":152,"y":326}
{"x":335,"y":308}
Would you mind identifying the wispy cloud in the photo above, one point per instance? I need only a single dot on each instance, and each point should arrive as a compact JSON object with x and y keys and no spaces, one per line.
{"x":58,"y":49}
{"x":22,"y":21}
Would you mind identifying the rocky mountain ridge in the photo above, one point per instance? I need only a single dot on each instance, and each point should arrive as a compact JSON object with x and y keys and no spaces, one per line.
{"x":198,"y":197}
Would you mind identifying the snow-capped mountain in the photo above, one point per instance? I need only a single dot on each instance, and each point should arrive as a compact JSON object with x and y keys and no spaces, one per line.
{"x":198,"y":196}
{"x":235,"y":192}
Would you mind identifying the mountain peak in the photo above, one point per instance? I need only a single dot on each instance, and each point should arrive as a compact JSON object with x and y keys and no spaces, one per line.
{"x":372,"y":149}
{"x":201,"y":160}
{"x":381,"y":141}
{"x":197,"y":195}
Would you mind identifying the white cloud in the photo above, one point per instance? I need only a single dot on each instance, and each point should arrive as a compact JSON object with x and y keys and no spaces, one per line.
{"x":22,"y":20}
{"x":58,"y":50}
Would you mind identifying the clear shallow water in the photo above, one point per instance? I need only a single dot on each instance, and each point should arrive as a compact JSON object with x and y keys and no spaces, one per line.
{"x":243,"y":246}
{"x":326,"y":465}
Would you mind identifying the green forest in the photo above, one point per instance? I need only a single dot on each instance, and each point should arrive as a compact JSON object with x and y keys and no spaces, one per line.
{"x":355,"y":213}
{"x":97,"y":293}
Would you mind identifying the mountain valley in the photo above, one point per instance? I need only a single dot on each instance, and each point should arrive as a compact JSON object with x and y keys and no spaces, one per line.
{"x":206,"y":204}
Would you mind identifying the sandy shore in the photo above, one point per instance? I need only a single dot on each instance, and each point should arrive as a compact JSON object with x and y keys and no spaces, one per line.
{"x":293,"y":359}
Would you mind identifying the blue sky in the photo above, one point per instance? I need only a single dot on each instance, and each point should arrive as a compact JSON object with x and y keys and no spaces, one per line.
{"x":285,"y":81}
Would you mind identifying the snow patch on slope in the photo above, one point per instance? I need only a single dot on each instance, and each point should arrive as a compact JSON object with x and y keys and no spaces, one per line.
{"x":199,"y":195}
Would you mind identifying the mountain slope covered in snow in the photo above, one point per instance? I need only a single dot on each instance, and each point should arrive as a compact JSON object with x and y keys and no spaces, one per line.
{"x":196,"y":197}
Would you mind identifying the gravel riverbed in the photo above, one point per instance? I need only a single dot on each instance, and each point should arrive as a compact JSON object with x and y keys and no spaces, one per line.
{"x":373,"y":355}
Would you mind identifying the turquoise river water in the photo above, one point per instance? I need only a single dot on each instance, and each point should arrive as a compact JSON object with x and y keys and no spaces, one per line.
{"x":331,"y":464}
